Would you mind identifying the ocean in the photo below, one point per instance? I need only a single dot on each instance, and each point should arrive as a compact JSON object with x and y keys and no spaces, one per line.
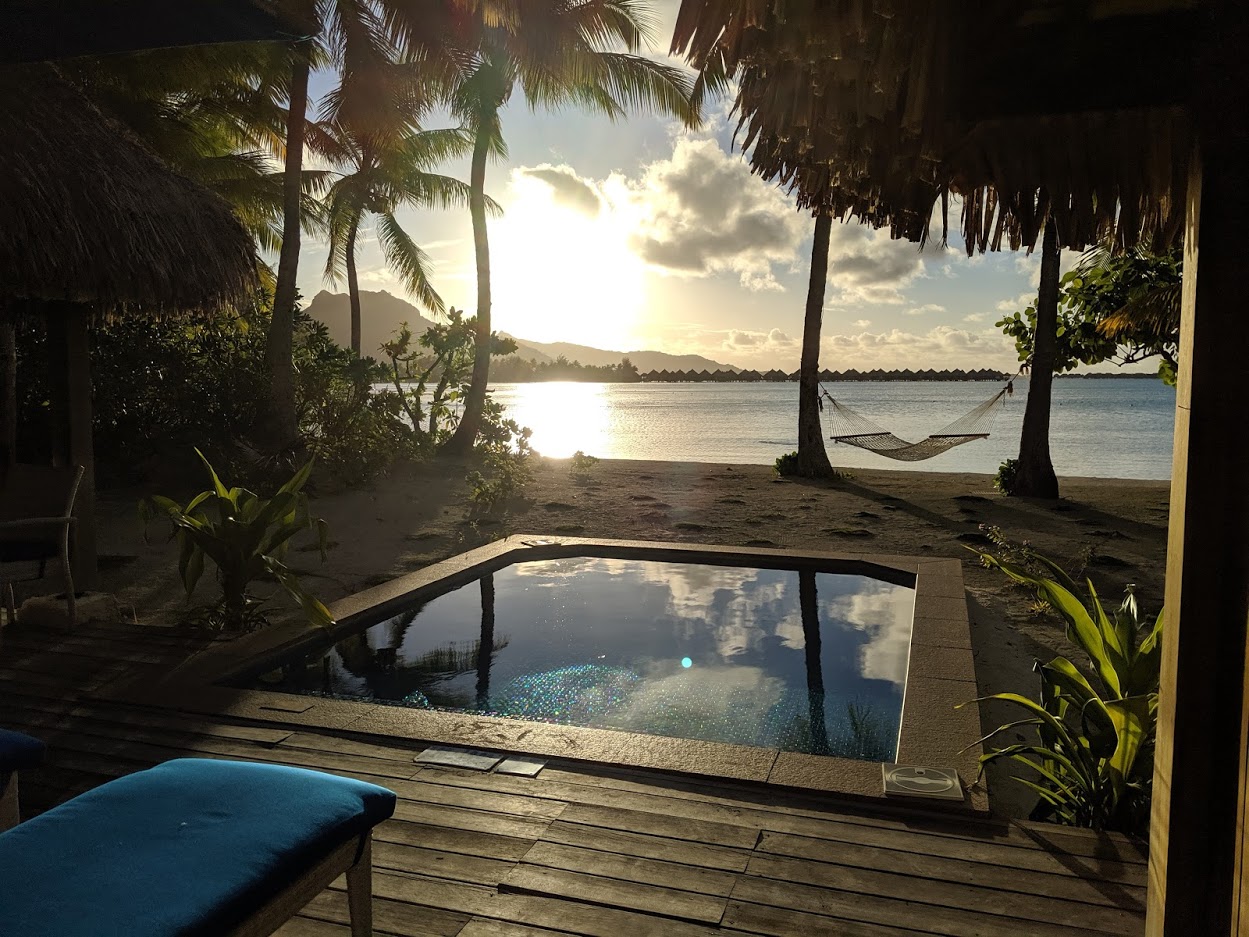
{"x":1098,"y":428}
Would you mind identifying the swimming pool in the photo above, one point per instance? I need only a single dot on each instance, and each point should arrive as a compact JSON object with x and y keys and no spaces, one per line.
{"x":809,"y":658}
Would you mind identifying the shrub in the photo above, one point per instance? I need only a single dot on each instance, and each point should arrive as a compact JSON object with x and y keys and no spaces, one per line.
{"x":1004,"y":480}
{"x":786,"y":464}
{"x":246,"y":538}
{"x":1091,"y":763}
{"x":505,"y":453}
{"x":582,"y":465}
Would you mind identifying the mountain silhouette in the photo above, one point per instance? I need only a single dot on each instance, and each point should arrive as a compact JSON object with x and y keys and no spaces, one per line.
{"x":381,"y":313}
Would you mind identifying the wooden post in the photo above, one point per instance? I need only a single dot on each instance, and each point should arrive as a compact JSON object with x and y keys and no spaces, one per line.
{"x":69,"y":382}
{"x":1199,"y":780}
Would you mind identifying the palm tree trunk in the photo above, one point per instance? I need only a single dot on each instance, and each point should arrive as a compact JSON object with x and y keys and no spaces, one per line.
{"x":461,"y":442}
{"x":812,"y":458}
{"x":809,"y":605}
{"x":279,"y":350}
{"x":485,"y":646}
{"x":353,"y":287}
{"x":1034,"y":475}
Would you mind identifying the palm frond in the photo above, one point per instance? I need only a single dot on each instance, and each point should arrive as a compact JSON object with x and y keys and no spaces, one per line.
{"x":409,"y":261}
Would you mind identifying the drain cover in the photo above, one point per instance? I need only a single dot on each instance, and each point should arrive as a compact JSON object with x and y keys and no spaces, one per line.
{"x":916,"y":781}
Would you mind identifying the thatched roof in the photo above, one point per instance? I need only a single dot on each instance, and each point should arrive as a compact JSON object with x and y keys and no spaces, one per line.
{"x":87,"y":214}
{"x":878,"y":110}
{"x":40,"y":30}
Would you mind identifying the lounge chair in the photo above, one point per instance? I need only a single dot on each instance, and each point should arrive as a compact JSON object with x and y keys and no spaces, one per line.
{"x":192,"y":848}
{"x":36,"y":518}
{"x":18,"y":752}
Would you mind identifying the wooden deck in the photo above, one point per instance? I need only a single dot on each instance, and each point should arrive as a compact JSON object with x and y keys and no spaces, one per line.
{"x":586,"y":849}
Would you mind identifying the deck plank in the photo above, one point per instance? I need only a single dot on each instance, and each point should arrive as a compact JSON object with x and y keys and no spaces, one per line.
{"x":599,"y":850}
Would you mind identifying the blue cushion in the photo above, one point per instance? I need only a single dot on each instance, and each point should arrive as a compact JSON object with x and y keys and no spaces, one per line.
{"x":191,"y":847}
{"x":19,"y":752}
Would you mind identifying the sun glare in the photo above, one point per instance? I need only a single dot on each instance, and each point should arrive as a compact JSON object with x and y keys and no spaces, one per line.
{"x":562,"y":275}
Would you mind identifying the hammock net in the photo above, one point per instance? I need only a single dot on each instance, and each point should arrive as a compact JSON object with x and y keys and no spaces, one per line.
{"x":853,"y":429}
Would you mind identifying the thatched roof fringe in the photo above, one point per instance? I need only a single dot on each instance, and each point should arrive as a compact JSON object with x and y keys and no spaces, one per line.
{"x":90,"y":215}
{"x":853,"y":105}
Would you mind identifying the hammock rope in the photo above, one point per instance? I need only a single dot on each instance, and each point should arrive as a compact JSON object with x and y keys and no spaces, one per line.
{"x":854,"y":429}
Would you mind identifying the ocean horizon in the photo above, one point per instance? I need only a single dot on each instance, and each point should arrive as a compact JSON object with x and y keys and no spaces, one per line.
{"x":1098,"y":428}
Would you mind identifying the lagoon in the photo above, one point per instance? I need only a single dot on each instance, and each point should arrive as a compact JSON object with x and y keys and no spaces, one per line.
{"x":1099,"y":428}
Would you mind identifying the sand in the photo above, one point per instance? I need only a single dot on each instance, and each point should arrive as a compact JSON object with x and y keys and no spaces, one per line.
{"x":418,"y":517}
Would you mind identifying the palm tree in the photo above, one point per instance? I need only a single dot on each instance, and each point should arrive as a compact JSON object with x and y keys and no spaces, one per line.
{"x":386,"y":173}
{"x":1034,"y":474}
{"x":558,"y":52}
{"x":812,"y":457}
{"x":364,"y":41}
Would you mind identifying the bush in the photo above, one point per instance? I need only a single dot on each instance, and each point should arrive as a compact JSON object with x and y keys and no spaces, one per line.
{"x":1091,"y":763}
{"x":503,"y":445}
{"x":246,"y":538}
{"x":581,"y":464}
{"x":786,"y":464}
{"x":1004,"y":480}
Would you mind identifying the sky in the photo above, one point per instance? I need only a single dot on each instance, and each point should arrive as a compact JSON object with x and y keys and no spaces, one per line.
{"x":640,"y":234}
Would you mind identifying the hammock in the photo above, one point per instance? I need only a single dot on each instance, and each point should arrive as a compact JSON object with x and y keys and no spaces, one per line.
{"x":856,"y":430}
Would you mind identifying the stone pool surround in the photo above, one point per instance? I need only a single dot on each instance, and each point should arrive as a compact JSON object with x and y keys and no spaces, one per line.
{"x":940,"y":676}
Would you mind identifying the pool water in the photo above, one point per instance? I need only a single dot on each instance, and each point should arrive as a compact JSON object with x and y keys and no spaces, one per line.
{"x":805,"y":661}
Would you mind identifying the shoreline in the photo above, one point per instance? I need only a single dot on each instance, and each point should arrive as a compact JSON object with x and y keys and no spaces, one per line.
{"x":417,"y":517}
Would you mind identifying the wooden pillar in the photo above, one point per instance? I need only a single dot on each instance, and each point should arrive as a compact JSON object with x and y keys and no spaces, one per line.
{"x":69,"y":384}
{"x":1196,"y":838}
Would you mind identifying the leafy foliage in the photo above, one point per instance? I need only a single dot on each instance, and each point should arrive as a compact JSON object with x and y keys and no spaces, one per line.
{"x":581,"y":465}
{"x":505,"y":463}
{"x":1091,"y":763}
{"x":786,"y":464}
{"x":1112,"y":307}
{"x":246,"y":537}
{"x":444,"y":354}
{"x":1004,"y":480}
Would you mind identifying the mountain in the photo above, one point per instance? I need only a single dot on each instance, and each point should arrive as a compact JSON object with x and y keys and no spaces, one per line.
{"x":645,"y":360}
{"x":381,"y":313}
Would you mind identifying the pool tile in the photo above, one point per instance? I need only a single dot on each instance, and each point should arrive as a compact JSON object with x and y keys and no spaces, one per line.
{"x":941,"y":663}
{"x":822,"y":773}
{"x":694,"y":756}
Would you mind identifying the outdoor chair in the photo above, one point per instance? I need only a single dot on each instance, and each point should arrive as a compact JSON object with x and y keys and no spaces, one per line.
{"x":192,"y":848}
{"x":36,"y":519}
{"x":18,"y":752}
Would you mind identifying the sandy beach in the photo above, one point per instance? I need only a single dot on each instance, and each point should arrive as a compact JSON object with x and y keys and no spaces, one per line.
{"x":419,"y":517}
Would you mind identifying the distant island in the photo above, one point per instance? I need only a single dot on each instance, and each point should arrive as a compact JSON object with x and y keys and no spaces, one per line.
{"x":826,"y":376}
{"x":382,"y":312}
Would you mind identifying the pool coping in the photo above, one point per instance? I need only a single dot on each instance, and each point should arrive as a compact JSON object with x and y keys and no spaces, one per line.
{"x":940,"y":677}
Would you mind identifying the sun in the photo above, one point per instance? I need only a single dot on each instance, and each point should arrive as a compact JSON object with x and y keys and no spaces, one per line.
{"x":564,"y":274}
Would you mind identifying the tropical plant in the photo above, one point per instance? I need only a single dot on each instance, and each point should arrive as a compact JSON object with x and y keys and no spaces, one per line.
{"x":246,"y":537}
{"x":387,"y":172}
{"x":444,"y":352}
{"x":384,"y":52}
{"x":581,"y":465}
{"x":1118,"y":307}
{"x":1004,"y":480}
{"x":557,"y":53}
{"x":786,"y":464}
{"x":1092,"y":761}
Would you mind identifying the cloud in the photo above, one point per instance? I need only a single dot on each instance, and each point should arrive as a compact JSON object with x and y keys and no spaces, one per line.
{"x":861,"y":323}
{"x":868,"y":266}
{"x":925,"y":309}
{"x":941,"y":347}
{"x":702,"y":212}
{"x":742,"y":339}
{"x":1022,"y":301}
{"x":976,"y":317}
{"x":568,"y":188}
